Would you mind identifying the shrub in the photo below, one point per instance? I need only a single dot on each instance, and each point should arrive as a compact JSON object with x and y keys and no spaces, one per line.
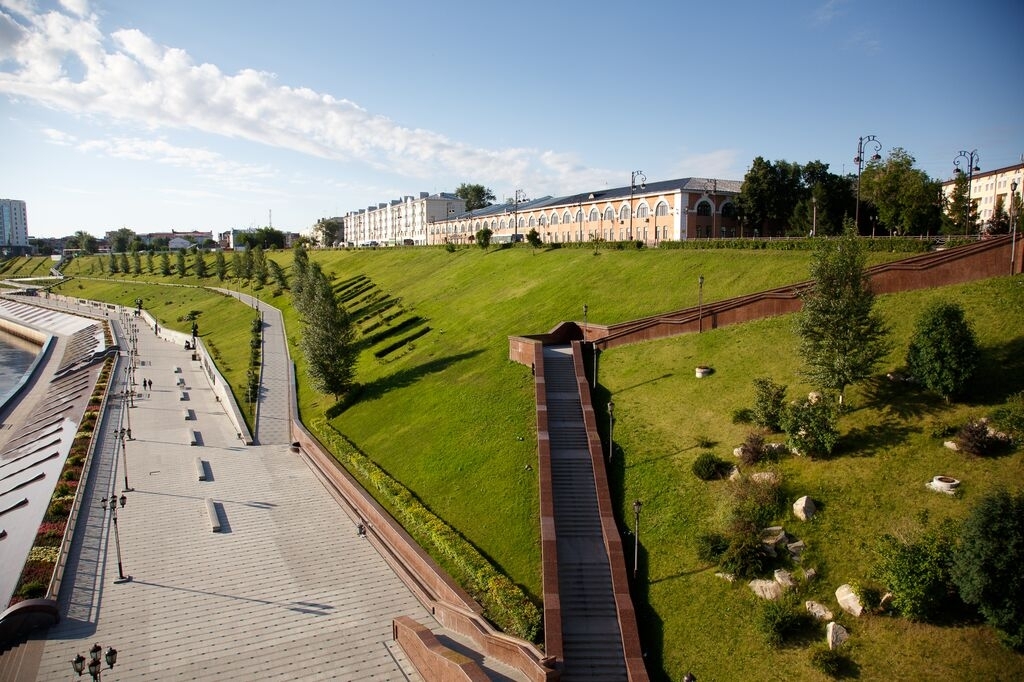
{"x":753,"y":449}
{"x":707,"y":466}
{"x":32,"y":590}
{"x":757,"y":501}
{"x":1010,"y":417}
{"x":711,"y":547}
{"x":917,"y":572}
{"x":742,"y":415}
{"x":986,"y":565}
{"x":769,"y":402}
{"x":811,"y":426}
{"x":978,"y":440}
{"x":778,"y":620}
{"x":745,"y":556}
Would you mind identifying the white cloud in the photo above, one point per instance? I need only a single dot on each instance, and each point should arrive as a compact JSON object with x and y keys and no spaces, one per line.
{"x":66,"y":62}
{"x":865,"y":41}
{"x":825,"y":13}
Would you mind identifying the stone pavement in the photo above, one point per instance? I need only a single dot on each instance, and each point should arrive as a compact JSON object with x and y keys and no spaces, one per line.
{"x":286,"y":590}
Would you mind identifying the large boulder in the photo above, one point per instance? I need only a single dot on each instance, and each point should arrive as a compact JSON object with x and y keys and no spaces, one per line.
{"x":766,"y":589}
{"x":835,"y":635}
{"x":804,"y":508}
{"x":849,"y":601}
{"x":818,"y":610}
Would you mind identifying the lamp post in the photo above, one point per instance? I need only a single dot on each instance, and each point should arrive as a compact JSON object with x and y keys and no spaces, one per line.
{"x":93,"y":664}
{"x":859,"y":160}
{"x":111,"y":504}
{"x":972,"y":165}
{"x":119,"y":436}
{"x":814,"y":219}
{"x":700,"y":304}
{"x":611,"y":429}
{"x":632,"y":188}
{"x":593,"y":344}
{"x":519,"y":197}
{"x":711,"y":186}
{"x":637,"y":504}
{"x":586,"y":327}
{"x":1013,"y":227}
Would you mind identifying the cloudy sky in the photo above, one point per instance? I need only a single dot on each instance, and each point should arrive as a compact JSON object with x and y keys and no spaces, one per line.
{"x":215,"y":114}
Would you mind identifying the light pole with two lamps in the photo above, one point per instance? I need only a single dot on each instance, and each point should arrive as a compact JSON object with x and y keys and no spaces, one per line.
{"x":111,"y":504}
{"x":859,"y":160}
{"x":633,"y":188}
{"x":93,"y":664}
{"x":1013,"y":226}
{"x":611,"y":429}
{"x":972,"y":166}
{"x":637,"y":504}
{"x":700,"y":304}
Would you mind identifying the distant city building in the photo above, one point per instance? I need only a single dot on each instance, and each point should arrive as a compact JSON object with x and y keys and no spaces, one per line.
{"x":176,"y":243}
{"x":13,"y":227}
{"x":409,"y":220}
{"x":670,"y":210}
{"x":193,"y":236}
{"x":988,"y":187}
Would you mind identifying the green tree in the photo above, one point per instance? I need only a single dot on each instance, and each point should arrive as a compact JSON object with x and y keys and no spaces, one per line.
{"x":327,"y":335}
{"x":220,"y":266}
{"x":277,"y":273}
{"x":83,"y":241}
{"x":987,"y":563}
{"x":264,"y":237}
{"x":842,"y":339}
{"x":149,"y":262}
{"x":906,"y":199}
{"x":165,"y":264}
{"x":475,"y":196}
{"x":238,"y":270}
{"x":122,"y":263}
{"x":181,"y":266}
{"x":533,"y":238}
{"x":200,"y":266}
{"x":483,"y":237}
{"x":259,"y":265}
{"x":121,"y":240}
{"x":963,"y":211}
{"x":943,"y":351}
{"x":327,"y":230}
{"x":136,"y":263}
{"x":769,"y":403}
{"x":770,"y":194}
{"x":300,"y":267}
{"x":1000,"y":223}
{"x":113,"y":267}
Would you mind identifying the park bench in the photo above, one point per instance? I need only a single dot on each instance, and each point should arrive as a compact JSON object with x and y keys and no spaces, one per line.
{"x":211,"y":511}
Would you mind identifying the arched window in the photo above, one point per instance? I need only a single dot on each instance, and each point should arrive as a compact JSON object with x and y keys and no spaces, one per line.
{"x":543,"y":220}
{"x":704,"y":208}
{"x":566,"y":218}
{"x":661,"y":208}
{"x":624,"y":213}
{"x":521,"y":221}
{"x":594,"y":215}
{"x":579,"y":216}
{"x":641,"y":211}
{"x":554,"y":218}
{"x":501,"y":225}
{"x":609,"y":213}
{"x":530,"y":223}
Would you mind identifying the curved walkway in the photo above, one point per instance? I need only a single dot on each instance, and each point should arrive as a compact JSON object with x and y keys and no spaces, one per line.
{"x":286,"y":590}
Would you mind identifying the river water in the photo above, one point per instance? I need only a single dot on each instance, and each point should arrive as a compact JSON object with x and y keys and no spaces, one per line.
{"x":16,"y":355}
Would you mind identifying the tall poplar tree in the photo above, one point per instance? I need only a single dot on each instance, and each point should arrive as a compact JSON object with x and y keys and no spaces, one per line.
{"x":327,"y":334}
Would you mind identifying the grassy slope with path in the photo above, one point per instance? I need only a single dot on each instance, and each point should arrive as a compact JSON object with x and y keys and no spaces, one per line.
{"x":445,"y":416}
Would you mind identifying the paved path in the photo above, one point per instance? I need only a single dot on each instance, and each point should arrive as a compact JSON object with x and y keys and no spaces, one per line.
{"x":287,"y":591}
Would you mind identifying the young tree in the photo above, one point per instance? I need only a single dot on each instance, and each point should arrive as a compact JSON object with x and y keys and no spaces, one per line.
{"x":238,"y":270}
{"x":841,"y":338}
{"x":943,"y":351}
{"x":327,"y":335}
{"x":987,"y":564}
{"x":1000,"y":223}
{"x":165,"y":264}
{"x":483,"y":237}
{"x":277,"y":273}
{"x":533,"y":238}
{"x":181,"y":266}
{"x":149,"y":262}
{"x":220,"y":266}
{"x":113,"y":265}
{"x":121,"y":240}
{"x":259,"y":265}
{"x":136,"y":263}
{"x":917,"y":571}
{"x":475,"y":196}
{"x":963,"y":211}
{"x":200,"y":266}
{"x":122,"y":263}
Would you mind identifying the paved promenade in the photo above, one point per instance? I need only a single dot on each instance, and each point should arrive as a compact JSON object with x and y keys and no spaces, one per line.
{"x":287,"y":589}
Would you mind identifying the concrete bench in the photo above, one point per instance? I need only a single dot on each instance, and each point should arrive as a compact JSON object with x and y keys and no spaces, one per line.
{"x":177,"y":370}
{"x":183,"y":396}
{"x":211,"y":511}
{"x":193,"y":437}
{"x":188,"y":414}
{"x":201,"y":468}
{"x":181,"y":382}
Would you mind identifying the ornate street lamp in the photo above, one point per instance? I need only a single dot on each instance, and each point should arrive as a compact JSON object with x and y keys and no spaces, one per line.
{"x":632,"y":188}
{"x":1013,"y":227}
{"x":636,"y":536}
{"x":519,"y":198}
{"x":93,"y":664}
{"x":700,"y":304}
{"x":859,"y":160}
{"x":972,"y":166}
{"x":111,"y":504}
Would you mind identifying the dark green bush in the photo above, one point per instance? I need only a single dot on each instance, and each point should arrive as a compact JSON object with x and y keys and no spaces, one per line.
{"x":828,"y":661}
{"x":769,"y":402}
{"x":707,"y":466}
{"x":779,"y":620}
{"x":745,"y":557}
{"x":742,"y":415}
{"x":977,"y":440}
{"x":32,"y":590}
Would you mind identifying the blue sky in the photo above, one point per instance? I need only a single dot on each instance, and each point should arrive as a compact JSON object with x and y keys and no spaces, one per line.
{"x":216,"y":114}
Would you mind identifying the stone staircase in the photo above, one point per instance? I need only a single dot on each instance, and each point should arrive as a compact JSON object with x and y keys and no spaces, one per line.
{"x":592,"y":640}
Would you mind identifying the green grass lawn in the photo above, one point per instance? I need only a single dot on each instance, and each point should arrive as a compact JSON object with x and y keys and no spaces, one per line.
{"x":451,"y":417}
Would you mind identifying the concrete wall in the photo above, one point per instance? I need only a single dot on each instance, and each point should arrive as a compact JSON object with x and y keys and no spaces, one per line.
{"x":433,"y":660}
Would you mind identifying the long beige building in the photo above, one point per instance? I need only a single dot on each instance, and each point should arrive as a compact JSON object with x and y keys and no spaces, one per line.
{"x":988,"y":187}
{"x":670,"y":210}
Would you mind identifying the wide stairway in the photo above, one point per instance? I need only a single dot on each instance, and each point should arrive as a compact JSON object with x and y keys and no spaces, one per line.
{"x":592,"y":641}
